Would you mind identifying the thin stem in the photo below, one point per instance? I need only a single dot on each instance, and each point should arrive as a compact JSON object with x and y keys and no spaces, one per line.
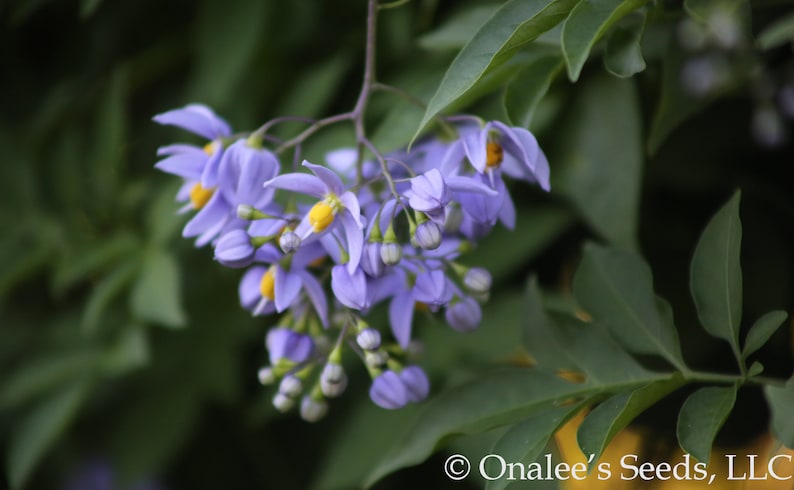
{"x":300,"y":138}
{"x":263,"y":129}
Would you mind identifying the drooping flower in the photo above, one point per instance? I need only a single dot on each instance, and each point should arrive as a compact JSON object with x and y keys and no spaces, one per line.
{"x":286,"y":344}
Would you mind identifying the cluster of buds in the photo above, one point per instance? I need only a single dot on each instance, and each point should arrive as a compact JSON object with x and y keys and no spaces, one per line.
{"x":367,"y":232}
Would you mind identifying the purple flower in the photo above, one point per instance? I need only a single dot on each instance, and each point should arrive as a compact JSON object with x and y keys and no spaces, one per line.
{"x":432,"y":289}
{"x":417,"y":386}
{"x":388,"y":391}
{"x":464,"y":315}
{"x":234,"y":249}
{"x":487,"y":209}
{"x":190,"y":162}
{"x":431,"y":192}
{"x":283,"y":343}
{"x":271,"y":289}
{"x":513,"y":150}
{"x":243,"y":169}
{"x":335,"y":202}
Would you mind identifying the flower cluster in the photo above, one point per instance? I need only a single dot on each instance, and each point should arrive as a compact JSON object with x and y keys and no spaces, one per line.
{"x":388,"y":230}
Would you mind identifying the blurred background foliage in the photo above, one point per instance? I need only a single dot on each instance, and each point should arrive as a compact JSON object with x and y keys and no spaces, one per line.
{"x":123,"y":349}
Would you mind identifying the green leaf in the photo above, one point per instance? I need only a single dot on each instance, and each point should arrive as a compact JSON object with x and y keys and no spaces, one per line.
{"x":526,"y":440}
{"x":614,"y":414}
{"x":151,"y":429}
{"x":495,"y":399}
{"x":128,"y":352}
{"x":516,"y":24}
{"x":781,"y":404}
{"x":91,"y":258}
{"x":155,"y":296}
{"x":560,"y":342}
{"x":716,"y":275}
{"x":762,"y":330}
{"x":779,"y":32}
{"x":755,"y":369}
{"x":701,"y":418}
{"x":44,"y":373}
{"x":106,"y":290}
{"x":588,"y":21}
{"x":32,"y":437}
{"x":616,"y":287}
{"x":528,"y":87}
{"x":108,"y":144}
{"x":600,"y":167}
{"x":227,"y":40}
{"x":458,"y":29}
{"x":623,"y":56}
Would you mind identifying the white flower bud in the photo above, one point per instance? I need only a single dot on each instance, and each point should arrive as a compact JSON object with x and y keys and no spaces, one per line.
{"x":266,"y":375}
{"x":283,"y":403}
{"x":313,"y":410}
{"x":332,"y":390}
{"x":333,"y":373}
{"x":368,"y":339}
{"x":375,"y":359}
{"x":428,"y":235}
{"x":391,"y":253}
{"x":289,"y":242}
{"x":290,"y":386}
{"x":477,"y":280}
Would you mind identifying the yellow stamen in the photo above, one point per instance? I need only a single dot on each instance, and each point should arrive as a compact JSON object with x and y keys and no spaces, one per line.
{"x":199,"y":196}
{"x":210,"y":148}
{"x":267,"y":287}
{"x":321,"y":216}
{"x":494,"y":154}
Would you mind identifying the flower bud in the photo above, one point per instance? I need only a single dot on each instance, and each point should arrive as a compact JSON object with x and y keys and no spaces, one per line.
{"x":266,"y":375}
{"x":234,"y":249}
{"x":289,"y":242}
{"x":388,"y":391}
{"x":284,"y":343}
{"x":250,"y":213}
{"x":283,"y":403}
{"x":391,"y":253}
{"x":313,"y":410}
{"x":332,"y":390}
{"x":371,"y":261}
{"x":375,"y":359}
{"x":477,"y":280}
{"x":428,"y":235}
{"x":417,"y":386}
{"x":291,"y":386}
{"x":333,"y":373}
{"x":464,"y":316}
{"x":368,"y":339}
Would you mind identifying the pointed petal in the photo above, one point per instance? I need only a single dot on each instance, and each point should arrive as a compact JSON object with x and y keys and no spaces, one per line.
{"x":316,"y":295}
{"x":185,"y":165}
{"x":507,"y":213}
{"x":301,"y":183}
{"x":210,"y":177}
{"x":196,"y":118}
{"x":287,"y":286}
{"x":350,"y":202}
{"x":210,"y":218}
{"x":475,"y":145}
{"x":467,"y":184}
{"x":249,"y":287}
{"x":178,"y":148}
{"x":355,"y":239}
{"x":401,"y":315}
{"x":328,"y":176}
{"x":450,"y":165}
